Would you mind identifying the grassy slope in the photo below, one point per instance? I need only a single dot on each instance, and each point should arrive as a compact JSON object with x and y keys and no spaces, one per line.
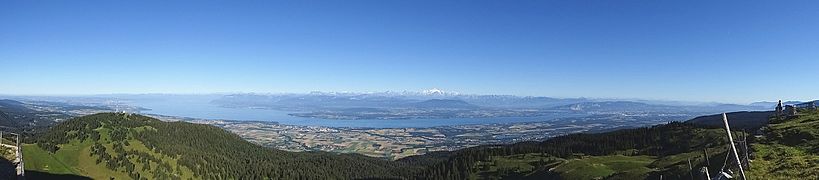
{"x":789,"y":150}
{"x":591,"y":167}
{"x":615,"y":166}
{"x":627,"y":167}
{"x":74,"y":158}
{"x":38,"y":159}
{"x":519,"y":164}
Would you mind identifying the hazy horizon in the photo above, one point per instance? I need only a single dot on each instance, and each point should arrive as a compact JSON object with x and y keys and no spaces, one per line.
{"x":421,"y":91}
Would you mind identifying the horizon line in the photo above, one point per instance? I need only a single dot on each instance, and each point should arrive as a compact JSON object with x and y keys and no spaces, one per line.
{"x":388,"y":91}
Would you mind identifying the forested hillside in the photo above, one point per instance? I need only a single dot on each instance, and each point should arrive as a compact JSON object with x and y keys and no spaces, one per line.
{"x":750,"y":121}
{"x":16,"y":117}
{"x":125,"y":146}
{"x":625,"y":154}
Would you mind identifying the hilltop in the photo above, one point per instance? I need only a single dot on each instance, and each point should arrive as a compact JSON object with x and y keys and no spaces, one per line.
{"x":128,"y":146}
{"x":641,"y":153}
{"x":750,"y":120}
{"x":788,"y":149}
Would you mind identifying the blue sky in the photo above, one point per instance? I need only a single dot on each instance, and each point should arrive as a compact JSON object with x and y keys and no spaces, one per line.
{"x":728,"y":51}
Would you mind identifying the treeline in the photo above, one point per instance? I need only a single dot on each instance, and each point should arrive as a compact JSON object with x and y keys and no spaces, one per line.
{"x":80,"y":128}
{"x":213,"y":153}
{"x":209,"y":152}
{"x":660,"y":140}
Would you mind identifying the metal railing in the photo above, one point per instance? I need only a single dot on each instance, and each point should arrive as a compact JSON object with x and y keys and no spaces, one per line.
{"x":18,"y":157}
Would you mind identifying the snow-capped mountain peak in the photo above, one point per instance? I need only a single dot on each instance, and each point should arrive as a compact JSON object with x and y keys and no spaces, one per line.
{"x":436,"y":91}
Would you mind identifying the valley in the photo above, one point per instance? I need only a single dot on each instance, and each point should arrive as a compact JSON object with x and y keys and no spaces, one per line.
{"x":395,"y":143}
{"x":395,"y":139}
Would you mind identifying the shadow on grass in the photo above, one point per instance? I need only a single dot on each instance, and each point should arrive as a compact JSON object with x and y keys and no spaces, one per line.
{"x":7,"y":169}
{"x":35,"y":175}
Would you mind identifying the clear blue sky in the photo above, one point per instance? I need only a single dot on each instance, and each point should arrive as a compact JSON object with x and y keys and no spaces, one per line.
{"x":728,"y":51}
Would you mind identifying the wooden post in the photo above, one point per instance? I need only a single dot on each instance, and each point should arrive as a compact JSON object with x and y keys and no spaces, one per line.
{"x":707,"y":159}
{"x":745,"y":142}
{"x":690,"y":169}
{"x":707,"y":175}
{"x":733,"y":147}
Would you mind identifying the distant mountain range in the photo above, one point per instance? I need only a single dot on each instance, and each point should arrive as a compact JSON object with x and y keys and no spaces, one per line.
{"x":439,"y":104}
{"x":388,"y":99}
{"x":773,"y":104}
{"x":433,"y":103}
{"x":396,"y":99}
{"x":629,"y":106}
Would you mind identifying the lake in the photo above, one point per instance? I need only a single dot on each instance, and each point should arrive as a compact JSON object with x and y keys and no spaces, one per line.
{"x":203,"y":109}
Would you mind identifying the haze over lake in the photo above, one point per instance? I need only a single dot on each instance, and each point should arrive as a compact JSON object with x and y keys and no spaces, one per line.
{"x":200,"y":107}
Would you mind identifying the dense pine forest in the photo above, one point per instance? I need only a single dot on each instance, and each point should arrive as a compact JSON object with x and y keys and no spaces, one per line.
{"x":146,"y":148}
{"x":664,"y":144}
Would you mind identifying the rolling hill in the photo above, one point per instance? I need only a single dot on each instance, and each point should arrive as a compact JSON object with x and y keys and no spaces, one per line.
{"x":641,"y":153}
{"x":739,"y":120}
{"x":788,"y":148}
{"x":126,"y":146}
{"x":632,"y":106}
